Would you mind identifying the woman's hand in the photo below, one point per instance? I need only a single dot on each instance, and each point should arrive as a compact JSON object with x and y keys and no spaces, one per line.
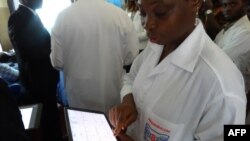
{"x":122,"y":115}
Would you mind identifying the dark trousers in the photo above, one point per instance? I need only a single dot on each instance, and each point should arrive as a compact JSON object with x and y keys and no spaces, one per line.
{"x":49,"y":123}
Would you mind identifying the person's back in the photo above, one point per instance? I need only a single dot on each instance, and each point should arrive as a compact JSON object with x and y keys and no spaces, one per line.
{"x":31,"y":42}
{"x":91,"y":42}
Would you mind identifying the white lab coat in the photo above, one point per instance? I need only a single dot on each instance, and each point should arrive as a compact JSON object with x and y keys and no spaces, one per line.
{"x":235,"y":41}
{"x":188,"y":96}
{"x":91,"y":42}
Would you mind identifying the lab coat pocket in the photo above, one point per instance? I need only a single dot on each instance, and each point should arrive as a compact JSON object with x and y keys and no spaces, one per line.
{"x":159,"y":129}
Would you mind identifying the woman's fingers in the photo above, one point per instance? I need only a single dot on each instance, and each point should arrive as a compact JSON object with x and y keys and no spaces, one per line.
{"x":112,"y":115}
{"x":122,"y":116}
{"x":119,"y":123}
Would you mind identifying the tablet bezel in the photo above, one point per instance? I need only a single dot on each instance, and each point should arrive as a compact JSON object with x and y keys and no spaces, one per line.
{"x":83,"y":110}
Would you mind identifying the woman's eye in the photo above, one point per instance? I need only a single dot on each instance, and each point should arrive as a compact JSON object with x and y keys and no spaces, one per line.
{"x":161,"y":14}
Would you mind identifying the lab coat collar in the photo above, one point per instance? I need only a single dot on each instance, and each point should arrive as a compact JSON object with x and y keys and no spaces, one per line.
{"x":188,"y":52}
{"x":184,"y":57}
{"x":238,"y":23}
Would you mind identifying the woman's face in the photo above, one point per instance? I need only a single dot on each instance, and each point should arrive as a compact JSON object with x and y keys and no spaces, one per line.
{"x":168,"y":22}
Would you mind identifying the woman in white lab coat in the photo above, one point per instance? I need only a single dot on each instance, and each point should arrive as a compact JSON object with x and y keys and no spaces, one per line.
{"x":182,"y":87}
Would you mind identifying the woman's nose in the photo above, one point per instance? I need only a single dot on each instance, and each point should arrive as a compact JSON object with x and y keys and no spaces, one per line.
{"x":149,"y":23}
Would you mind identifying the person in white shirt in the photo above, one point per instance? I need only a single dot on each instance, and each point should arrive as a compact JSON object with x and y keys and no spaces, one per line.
{"x":91,"y":42}
{"x":234,"y":37}
{"x":182,"y":87}
{"x":133,"y":12}
{"x":141,"y":32}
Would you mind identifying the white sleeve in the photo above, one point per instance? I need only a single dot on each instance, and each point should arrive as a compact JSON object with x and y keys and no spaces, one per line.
{"x":128,"y":78}
{"x":141,"y":32}
{"x":56,"y":55}
{"x":222,"y":111}
{"x":130,"y":43}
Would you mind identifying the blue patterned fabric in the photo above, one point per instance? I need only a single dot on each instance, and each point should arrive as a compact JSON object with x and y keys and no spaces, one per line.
{"x":9,"y":72}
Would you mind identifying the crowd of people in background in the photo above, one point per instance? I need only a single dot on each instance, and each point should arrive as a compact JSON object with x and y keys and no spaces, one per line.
{"x":189,"y":75}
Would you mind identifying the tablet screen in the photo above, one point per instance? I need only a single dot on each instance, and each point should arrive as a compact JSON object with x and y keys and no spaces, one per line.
{"x":31,"y":115}
{"x":26,"y":116}
{"x":88,"y":126}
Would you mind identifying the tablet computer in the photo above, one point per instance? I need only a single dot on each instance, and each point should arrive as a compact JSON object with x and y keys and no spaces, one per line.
{"x":88,"y":125}
{"x":31,"y":115}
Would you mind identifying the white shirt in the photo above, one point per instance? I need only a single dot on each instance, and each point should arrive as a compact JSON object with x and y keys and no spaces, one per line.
{"x":91,"y":42}
{"x":190,"y":95}
{"x":235,"y":41}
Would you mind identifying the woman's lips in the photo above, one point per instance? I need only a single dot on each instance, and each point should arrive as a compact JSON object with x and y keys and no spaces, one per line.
{"x":153,"y":39}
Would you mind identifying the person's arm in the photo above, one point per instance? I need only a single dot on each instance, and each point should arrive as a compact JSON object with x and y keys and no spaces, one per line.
{"x":130,"y":43}
{"x":224,"y":110}
{"x":56,"y":55}
{"x":122,"y":115}
{"x":138,"y":25}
